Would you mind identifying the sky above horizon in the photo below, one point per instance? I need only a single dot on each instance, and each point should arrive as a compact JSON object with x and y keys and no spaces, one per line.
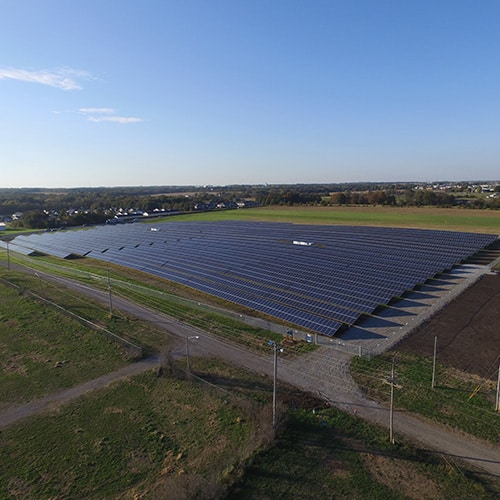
{"x":194,"y":92}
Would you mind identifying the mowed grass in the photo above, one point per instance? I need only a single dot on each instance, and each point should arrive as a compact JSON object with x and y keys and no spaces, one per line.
{"x":141,"y":333}
{"x":451,"y":219}
{"x":458,"y":400}
{"x":43,"y":350}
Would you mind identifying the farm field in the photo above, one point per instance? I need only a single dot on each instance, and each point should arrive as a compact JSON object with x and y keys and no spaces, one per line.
{"x":451,"y":219}
{"x":468,"y":337}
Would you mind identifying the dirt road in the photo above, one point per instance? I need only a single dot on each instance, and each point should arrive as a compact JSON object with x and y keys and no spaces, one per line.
{"x":324,"y":373}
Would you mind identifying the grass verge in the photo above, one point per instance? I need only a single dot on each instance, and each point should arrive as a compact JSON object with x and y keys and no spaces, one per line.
{"x":450,"y":219}
{"x":453,"y":402}
{"x":43,"y":350}
{"x":187,"y":305}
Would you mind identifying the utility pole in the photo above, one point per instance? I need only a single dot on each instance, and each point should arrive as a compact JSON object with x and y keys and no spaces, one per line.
{"x":434,"y":363}
{"x":8,"y":257}
{"x":276,"y":348}
{"x":392,"y":382}
{"x":188,"y":365}
{"x":110,"y":297}
{"x":497,"y":403}
{"x":391,"y":413}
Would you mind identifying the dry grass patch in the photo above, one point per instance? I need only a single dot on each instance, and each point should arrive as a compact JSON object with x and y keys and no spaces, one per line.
{"x":401,"y":475}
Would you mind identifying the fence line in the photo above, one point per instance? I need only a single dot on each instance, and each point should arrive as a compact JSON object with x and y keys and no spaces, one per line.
{"x":135,"y":350}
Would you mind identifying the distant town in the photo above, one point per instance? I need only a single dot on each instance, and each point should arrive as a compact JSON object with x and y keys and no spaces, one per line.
{"x":41,"y":208}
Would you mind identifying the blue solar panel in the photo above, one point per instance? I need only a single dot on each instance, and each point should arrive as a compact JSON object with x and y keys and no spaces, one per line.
{"x":317,"y":277}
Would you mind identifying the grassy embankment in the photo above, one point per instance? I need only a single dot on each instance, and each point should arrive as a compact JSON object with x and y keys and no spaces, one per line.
{"x":195,"y":308}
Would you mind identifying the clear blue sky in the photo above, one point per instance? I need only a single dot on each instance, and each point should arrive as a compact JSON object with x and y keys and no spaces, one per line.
{"x":176,"y":92}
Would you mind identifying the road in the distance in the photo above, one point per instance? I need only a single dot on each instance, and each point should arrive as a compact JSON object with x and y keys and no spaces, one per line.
{"x":323,"y":373}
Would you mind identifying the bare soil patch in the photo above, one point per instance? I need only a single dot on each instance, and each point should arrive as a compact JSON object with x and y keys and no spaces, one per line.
{"x":467,"y":331}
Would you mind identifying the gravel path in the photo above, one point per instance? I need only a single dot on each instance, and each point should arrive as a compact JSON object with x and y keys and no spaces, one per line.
{"x":323,"y":372}
{"x":16,"y":413}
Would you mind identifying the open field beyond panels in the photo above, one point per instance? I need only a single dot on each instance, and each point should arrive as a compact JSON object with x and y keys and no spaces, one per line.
{"x":452,"y":219}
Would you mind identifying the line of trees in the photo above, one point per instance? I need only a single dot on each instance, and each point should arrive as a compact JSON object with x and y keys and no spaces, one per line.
{"x":48,"y":208}
{"x":408,"y":198}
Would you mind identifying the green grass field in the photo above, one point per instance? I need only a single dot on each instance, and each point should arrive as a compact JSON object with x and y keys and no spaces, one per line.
{"x":449,"y":403}
{"x":147,"y":435}
{"x":43,"y":350}
{"x":452,"y":219}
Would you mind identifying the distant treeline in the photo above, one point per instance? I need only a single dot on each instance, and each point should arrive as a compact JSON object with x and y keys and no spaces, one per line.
{"x":46,"y":208}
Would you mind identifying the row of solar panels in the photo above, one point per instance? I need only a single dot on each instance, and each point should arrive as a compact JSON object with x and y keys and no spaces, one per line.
{"x":317,"y":277}
{"x":128,"y":235}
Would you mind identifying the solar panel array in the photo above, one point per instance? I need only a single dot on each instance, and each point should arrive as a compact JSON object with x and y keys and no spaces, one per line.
{"x":316,"y":277}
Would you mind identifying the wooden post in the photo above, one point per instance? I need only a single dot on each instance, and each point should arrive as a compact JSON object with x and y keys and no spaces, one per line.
{"x":110,"y":297}
{"x":391,"y":412}
{"x":434,"y":363}
{"x":497,"y":405}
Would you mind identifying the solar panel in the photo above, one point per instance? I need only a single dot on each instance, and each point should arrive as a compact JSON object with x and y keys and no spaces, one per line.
{"x":319,"y":278}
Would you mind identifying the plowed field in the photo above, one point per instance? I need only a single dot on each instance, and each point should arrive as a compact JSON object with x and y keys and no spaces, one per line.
{"x":467,"y":330}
